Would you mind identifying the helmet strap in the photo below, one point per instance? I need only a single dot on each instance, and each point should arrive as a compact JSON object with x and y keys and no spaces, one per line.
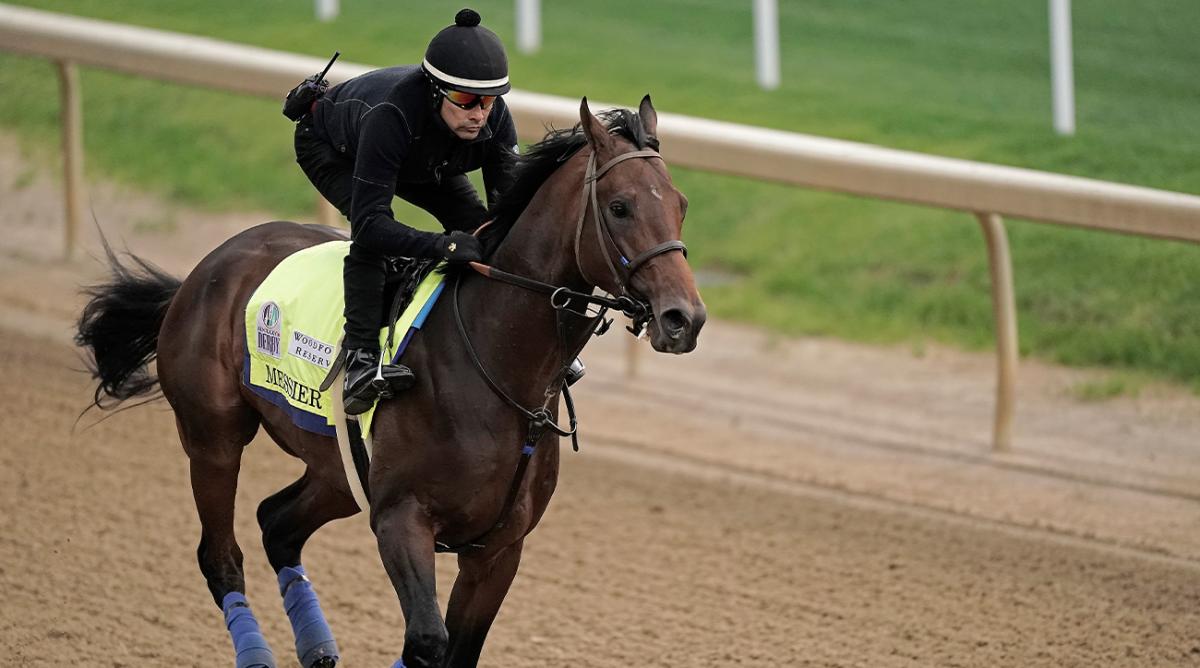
{"x":435,"y":92}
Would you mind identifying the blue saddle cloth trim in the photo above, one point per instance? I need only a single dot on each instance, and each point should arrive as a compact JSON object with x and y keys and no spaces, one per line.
{"x":418,"y":322}
{"x":303,"y":419}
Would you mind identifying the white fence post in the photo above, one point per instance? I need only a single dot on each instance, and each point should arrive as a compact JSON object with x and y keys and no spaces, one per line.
{"x":1062,"y":74}
{"x":529,"y":25}
{"x":766,"y":43}
{"x":326,"y":10}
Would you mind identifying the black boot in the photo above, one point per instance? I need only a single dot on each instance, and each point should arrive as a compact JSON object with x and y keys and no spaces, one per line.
{"x":368,"y":381}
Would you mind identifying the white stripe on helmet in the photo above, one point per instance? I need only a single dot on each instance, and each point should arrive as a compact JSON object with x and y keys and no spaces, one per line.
{"x":458,"y":81}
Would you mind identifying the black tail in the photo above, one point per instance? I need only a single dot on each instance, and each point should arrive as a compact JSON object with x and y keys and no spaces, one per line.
{"x":119,"y":326}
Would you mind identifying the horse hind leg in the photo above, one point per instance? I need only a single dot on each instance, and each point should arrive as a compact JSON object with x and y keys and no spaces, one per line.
{"x":215,"y":460}
{"x":288,"y":518}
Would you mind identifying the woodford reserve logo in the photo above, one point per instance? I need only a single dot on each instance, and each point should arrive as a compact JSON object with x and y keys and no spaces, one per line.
{"x":310,"y":350}
{"x":295,"y":390}
{"x":269,"y":334}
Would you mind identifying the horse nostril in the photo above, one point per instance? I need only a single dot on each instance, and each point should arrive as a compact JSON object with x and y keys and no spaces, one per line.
{"x":674,"y":323}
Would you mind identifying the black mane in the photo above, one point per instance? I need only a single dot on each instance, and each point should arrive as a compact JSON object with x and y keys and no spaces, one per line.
{"x":537,"y":164}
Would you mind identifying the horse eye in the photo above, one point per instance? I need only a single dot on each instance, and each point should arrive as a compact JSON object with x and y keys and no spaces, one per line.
{"x":618,"y":209}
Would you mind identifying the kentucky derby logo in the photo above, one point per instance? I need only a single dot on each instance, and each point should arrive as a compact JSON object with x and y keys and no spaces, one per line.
{"x":269,"y":331}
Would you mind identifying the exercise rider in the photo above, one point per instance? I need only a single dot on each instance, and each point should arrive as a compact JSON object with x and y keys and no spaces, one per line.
{"x":411,"y":131}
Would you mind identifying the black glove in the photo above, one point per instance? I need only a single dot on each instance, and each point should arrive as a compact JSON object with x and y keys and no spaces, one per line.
{"x":460,"y":247}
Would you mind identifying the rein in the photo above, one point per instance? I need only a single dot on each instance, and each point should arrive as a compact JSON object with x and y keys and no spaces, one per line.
{"x":636,"y":310}
{"x":561,"y":298}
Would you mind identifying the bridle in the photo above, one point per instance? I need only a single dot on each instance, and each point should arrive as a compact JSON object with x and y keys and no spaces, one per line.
{"x":604,"y":234}
{"x":634,"y":307}
{"x":562,"y":299}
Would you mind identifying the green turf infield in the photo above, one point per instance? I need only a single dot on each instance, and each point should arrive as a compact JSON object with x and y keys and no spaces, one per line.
{"x":968,"y":80}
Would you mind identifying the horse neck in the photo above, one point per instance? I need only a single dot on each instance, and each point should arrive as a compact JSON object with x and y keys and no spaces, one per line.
{"x":541,"y":244}
{"x":515,"y":330}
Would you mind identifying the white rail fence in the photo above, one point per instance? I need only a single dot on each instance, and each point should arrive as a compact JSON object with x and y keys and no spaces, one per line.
{"x":988,"y":192}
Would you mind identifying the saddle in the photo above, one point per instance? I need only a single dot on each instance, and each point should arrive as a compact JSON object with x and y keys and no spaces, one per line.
{"x":404,"y":275}
{"x":294,"y":326}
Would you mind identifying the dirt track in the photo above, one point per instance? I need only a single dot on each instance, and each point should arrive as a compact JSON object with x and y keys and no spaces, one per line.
{"x":763,"y":503}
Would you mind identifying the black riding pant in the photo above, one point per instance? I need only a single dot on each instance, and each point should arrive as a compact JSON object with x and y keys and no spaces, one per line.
{"x":452,"y":201}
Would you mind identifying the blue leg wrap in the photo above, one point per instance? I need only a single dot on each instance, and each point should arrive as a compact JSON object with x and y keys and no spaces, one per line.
{"x":314,"y":640}
{"x":399,"y":663}
{"x":248,"y":642}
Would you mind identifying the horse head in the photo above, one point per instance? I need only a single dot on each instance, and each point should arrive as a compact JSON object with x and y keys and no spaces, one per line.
{"x":630,"y":244}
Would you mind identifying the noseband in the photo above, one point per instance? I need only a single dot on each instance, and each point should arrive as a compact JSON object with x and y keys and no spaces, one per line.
{"x":604,"y":235}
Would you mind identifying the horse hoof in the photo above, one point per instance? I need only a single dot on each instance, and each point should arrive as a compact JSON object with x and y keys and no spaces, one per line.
{"x":324,"y":655}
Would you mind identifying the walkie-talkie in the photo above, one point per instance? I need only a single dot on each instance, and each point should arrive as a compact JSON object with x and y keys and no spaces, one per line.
{"x":299,"y":100}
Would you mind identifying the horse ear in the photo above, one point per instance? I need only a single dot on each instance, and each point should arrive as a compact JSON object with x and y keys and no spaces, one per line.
{"x":593,"y":129}
{"x":649,"y":116}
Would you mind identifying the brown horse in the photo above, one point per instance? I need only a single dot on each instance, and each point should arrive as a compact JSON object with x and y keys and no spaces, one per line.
{"x":448,"y":466}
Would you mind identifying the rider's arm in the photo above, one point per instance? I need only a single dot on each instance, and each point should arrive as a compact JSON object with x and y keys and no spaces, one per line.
{"x":383,"y":143}
{"x":501,"y":156}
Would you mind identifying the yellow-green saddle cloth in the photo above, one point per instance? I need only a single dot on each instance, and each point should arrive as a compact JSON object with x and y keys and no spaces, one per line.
{"x":294,"y":329}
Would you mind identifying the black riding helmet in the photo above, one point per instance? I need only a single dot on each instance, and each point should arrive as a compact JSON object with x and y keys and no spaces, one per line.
{"x":467,"y":57}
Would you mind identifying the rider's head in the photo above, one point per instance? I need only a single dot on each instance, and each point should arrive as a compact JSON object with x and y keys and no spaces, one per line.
{"x":467,"y":69}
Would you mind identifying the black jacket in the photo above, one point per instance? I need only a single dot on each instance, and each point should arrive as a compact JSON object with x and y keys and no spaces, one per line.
{"x":386,"y":123}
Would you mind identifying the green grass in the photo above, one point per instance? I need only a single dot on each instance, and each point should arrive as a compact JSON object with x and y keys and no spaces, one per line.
{"x":967,"y":80}
{"x":1110,"y":387}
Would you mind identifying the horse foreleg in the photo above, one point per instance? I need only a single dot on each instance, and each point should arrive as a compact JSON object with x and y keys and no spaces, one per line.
{"x":479,"y":589}
{"x":288,"y":518}
{"x":406,"y":545}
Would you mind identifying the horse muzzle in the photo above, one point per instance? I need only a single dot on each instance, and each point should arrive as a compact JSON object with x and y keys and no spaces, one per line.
{"x":675,"y":329}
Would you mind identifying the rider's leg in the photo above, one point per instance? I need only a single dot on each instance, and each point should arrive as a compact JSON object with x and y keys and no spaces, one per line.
{"x":363,"y":273}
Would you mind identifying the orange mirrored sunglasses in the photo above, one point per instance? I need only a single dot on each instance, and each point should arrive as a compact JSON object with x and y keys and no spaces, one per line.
{"x":468,"y":100}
